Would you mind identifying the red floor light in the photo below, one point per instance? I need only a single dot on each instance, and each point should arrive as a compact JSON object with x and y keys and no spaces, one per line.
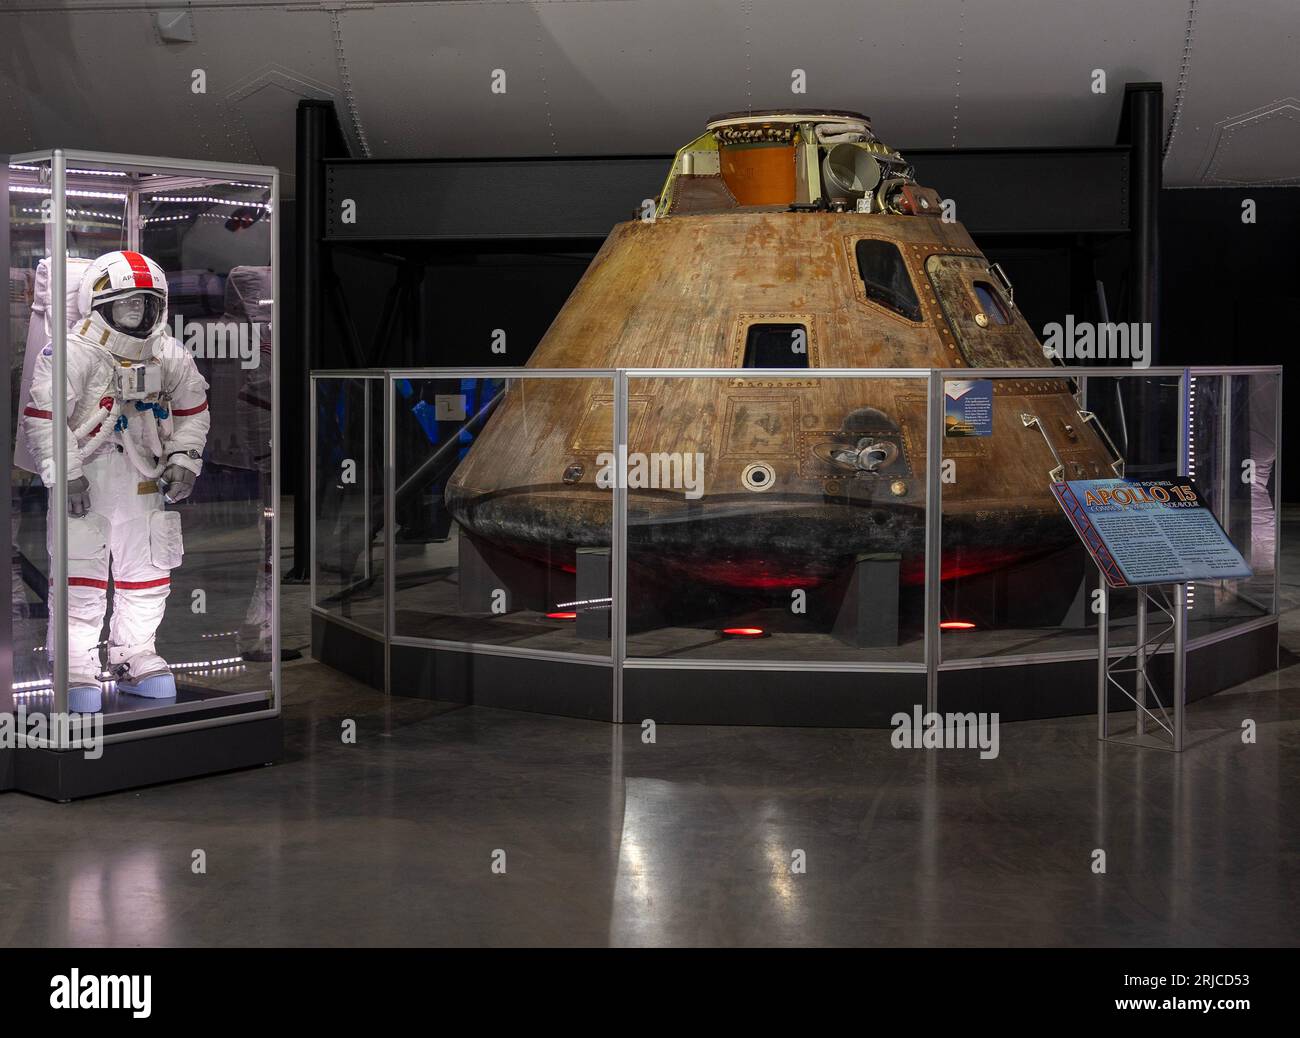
{"x":561,"y":616}
{"x":956,"y":625}
{"x":743,"y":632}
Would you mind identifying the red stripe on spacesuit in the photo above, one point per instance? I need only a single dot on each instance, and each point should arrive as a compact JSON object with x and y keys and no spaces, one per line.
{"x":124,"y":585}
{"x":143,"y":279}
{"x":185,"y":412}
{"x":32,"y":412}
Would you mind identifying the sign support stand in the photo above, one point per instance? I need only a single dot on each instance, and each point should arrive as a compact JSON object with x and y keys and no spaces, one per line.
{"x":1169,"y":604}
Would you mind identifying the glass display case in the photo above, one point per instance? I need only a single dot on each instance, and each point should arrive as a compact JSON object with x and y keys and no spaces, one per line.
{"x":794,"y":546}
{"x":144,"y":496}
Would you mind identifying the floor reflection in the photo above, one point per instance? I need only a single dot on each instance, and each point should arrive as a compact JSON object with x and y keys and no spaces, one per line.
{"x":688,"y":840}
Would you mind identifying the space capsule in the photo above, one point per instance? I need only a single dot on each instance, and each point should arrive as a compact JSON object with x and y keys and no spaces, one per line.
{"x":782,"y":242}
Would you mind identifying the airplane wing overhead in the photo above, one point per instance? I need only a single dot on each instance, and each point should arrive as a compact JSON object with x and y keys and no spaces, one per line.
{"x":221,"y":79}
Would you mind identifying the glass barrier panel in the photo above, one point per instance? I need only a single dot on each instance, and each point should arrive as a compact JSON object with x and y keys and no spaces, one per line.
{"x":1141,"y":414}
{"x":1037,"y":597}
{"x":212,"y":236}
{"x":503,"y":511}
{"x":348,"y":520}
{"x":1015,"y":578}
{"x":170,"y":372}
{"x":31,"y":244}
{"x":1232,"y":456}
{"x":776,"y":518}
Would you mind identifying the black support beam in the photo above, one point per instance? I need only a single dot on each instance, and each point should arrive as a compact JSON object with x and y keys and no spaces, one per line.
{"x":997,"y":191}
{"x":515,"y":199}
{"x":1140,"y":130}
{"x":318,"y":138}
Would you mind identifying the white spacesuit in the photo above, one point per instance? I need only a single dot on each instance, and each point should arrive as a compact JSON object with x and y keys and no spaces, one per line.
{"x":137,"y":424}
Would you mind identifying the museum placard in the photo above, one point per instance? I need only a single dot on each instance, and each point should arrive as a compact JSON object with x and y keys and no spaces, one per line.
{"x":968,"y":407}
{"x":1155,"y":531}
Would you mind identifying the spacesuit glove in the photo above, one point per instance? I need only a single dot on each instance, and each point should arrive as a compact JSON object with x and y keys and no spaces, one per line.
{"x":78,"y":497}
{"x":178,"y":483}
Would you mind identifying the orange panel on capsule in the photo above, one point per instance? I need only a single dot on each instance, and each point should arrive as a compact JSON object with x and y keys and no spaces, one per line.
{"x":759,"y":173}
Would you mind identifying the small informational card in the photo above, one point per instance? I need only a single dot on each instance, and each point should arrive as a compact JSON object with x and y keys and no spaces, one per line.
{"x":1152,"y":531}
{"x":968,"y":407}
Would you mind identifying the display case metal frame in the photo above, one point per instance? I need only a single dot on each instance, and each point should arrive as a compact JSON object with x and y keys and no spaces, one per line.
{"x":927,"y":672}
{"x":194,"y":750}
{"x":1172,"y":638}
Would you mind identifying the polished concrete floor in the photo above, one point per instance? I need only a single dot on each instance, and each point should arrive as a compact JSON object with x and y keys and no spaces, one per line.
{"x":686,"y":841}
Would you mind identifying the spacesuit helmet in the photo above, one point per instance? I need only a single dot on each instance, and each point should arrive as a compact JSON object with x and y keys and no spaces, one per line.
{"x":129,"y":293}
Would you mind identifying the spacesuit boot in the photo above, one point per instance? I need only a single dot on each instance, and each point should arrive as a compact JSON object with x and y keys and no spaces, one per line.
{"x":84,"y":699}
{"x":143,"y":673}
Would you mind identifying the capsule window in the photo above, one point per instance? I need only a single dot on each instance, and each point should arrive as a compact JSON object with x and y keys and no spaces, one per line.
{"x":885,"y":278}
{"x":776,"y":346}
{"x":991,"y":303}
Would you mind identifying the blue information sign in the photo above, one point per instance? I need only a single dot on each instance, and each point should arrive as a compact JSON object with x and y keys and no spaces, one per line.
{"x":1150,"y":531}
{"x":968,"y":407}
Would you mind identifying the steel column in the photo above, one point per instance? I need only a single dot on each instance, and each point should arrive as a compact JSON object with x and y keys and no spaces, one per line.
{"x":1141,"y":127}
{"x":933,"y":535}
{"x":390,"y":527}
{"x":1180,"y":663}
{"x":311,"y":492}
{"x":7,"y":423}
{"x":1103,"y":656}
{"x":57,"y":599}
{"x":1140,"y":663}
{"x":618,"y":548}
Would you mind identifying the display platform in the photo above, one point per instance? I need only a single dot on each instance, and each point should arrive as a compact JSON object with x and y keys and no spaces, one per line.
{"x":65,"y":775}
{"x":740,"y":688}
{"x":609,"y":611}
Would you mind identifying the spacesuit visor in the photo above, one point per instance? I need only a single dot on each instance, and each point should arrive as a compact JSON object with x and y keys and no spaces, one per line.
{"x":135,"y":313}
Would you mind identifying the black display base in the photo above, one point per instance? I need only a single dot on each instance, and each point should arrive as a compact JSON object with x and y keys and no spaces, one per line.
{"x":788,"y":698}
{"x":714,"y":693}
{"x":1067,"y":688}
{"x":65,"y":775}
{"x":546,"y":686}
{"x":342,"y":646}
